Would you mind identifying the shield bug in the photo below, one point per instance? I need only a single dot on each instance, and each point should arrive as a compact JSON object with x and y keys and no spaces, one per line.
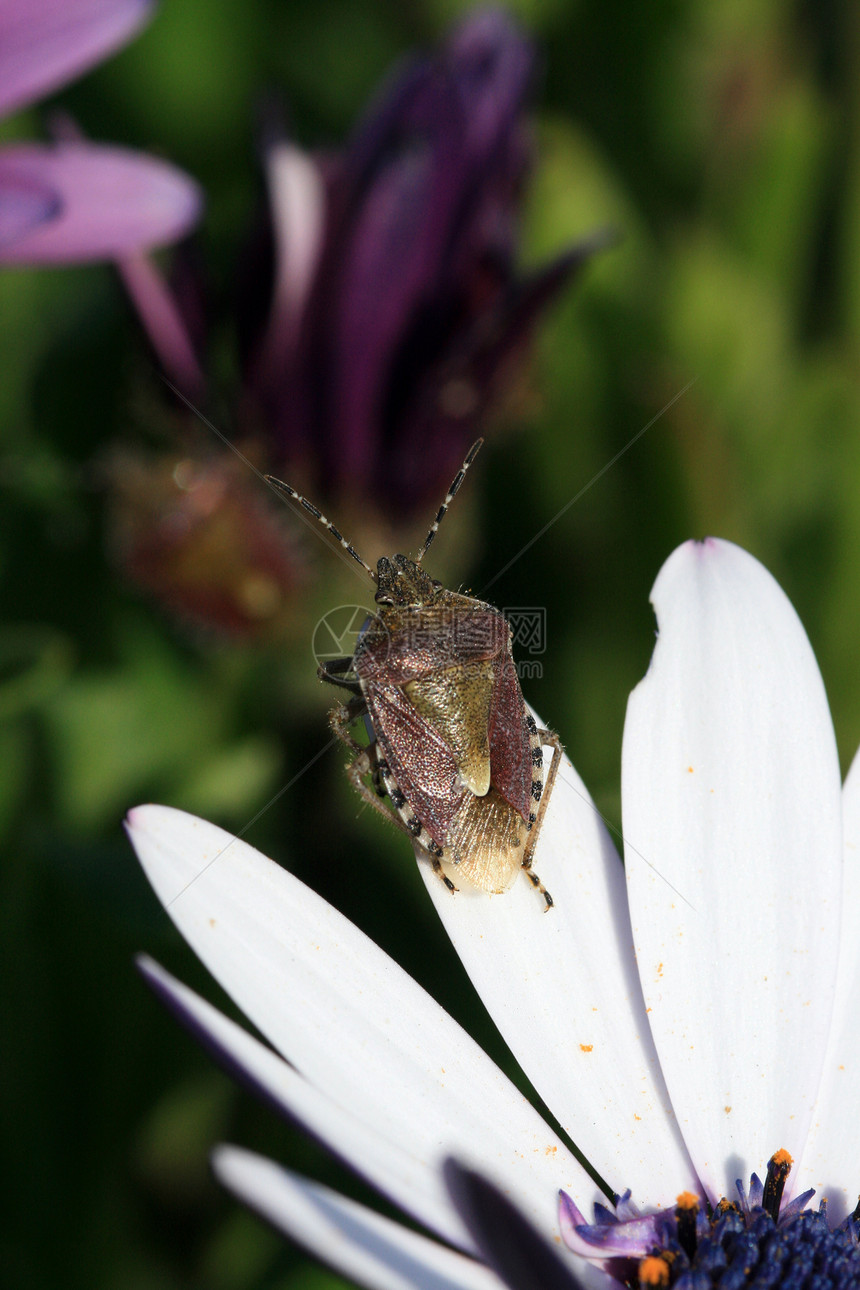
{"x":452,"y":745}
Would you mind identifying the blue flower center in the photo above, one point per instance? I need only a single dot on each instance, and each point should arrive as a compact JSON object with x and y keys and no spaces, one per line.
{"x":754,"y":1242}
{"x":752,"y":1250}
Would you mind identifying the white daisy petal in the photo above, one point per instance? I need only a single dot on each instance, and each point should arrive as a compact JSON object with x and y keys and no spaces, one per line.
{"x":831,"y":1158}
{"x":562,"y":988}
{"x":393,"y":1166}
{"x":345,"y":1014}
{"x":353,"y":1240}
{"x":732,"y":824}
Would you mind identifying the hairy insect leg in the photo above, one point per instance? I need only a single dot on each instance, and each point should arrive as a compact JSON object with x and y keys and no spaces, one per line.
{"x":341,"y":718}
{"x":364,"y":762}
{"x":364,"y":759}
{"x":547,"y":738}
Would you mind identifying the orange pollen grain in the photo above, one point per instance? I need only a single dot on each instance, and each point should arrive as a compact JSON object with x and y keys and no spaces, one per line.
{"x":687,"y":1200}
{"x":653,"y":1272}
{"x":586,"y":1048}
{"x":782,"y":1157}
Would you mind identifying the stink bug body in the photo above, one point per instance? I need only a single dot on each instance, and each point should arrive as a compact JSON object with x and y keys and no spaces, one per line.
{"x":452,"y":744}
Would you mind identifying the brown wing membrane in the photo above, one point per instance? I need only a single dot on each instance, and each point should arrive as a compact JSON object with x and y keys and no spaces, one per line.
{"x":421,"y":762}
{"x":510,"y":754}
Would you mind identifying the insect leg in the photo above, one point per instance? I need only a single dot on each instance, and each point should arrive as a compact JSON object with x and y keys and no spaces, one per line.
{"x":341,"y":718}
{"x":333,"y":672}
{"x":364,"y":761}
{"x":541,"y":738}
{"x":437,"y":869}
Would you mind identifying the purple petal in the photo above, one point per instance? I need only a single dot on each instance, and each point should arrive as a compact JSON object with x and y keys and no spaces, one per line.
{"x":44,"y":43}
{"x":625,"y":1210}
{"x":490,"y":65}
{"x":571,"y":1217}
{"x":493,"y":65}
{"x":448,"y":399}
{"x":24,"y":205}
{"x":111,"y":202}
{"x":631,"y":1238}
{"x":796,"y":1206}
{"x":162,"y":320}
{"x":390,"y":263}
{"x":425,"y":193}
{"x":756,"y":1191}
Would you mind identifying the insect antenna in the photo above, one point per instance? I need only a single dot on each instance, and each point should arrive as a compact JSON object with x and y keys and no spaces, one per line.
{"x":286,"y":491}
{"x":452,"y":491}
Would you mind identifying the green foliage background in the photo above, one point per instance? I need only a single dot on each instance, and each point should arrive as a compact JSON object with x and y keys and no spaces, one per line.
{"x":721,"y":137}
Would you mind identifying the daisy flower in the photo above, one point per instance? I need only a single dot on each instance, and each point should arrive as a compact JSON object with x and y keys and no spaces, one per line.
{"x":686,"y":1016}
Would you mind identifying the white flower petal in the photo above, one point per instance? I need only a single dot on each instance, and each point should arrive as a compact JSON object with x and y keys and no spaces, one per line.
{"x":563,"y":990}
{"x":353,"y":1240}
{"x":345,"y":1014}
{"x":831,"y":1158}
{"x":732,"y":824}
{"x":405,"y":1177}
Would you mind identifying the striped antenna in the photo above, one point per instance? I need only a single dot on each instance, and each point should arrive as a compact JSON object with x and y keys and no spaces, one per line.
{"x":286,"y":491}
{"x":452,"y":492}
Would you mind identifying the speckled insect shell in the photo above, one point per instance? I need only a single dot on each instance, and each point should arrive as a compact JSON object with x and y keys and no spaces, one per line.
{"x":458,"y":754}
{"x":453,"y":746}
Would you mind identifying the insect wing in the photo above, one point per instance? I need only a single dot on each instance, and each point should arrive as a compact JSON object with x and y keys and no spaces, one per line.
{"x":422,"y":764}
{"x":510,"y":755}
{"x":423,"y":641}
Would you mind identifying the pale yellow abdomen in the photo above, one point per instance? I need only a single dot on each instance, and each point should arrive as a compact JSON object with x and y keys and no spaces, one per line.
{"x":485,"y":842}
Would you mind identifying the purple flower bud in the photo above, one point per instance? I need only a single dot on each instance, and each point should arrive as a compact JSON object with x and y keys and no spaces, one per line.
{"x":397,"y":308}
